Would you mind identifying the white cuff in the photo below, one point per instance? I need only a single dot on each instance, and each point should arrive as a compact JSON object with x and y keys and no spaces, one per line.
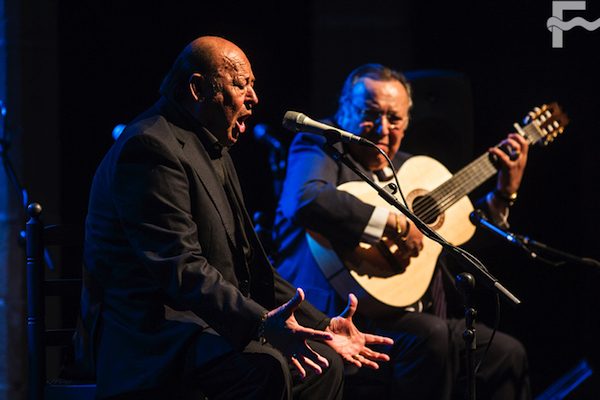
{"x":499,"y":215}
{"x":374,"y":229}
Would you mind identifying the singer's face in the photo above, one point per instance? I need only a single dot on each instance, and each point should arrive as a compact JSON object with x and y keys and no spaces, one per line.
{"x":380,"y":115}
{"x":231,"y":97}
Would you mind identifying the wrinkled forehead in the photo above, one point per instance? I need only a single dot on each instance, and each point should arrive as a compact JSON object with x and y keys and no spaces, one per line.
{"x":234,"y":64}
{"x":368,"y":91}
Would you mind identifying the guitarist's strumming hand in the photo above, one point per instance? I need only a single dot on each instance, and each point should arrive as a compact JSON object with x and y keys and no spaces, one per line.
{"x":402,"y":238}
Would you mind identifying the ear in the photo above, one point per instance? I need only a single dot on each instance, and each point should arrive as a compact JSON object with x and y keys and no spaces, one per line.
{"x":196,"y":82}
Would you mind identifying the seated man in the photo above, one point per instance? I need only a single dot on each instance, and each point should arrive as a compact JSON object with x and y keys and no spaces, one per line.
{"x":178,"y":292}
{"x":426,"y":358}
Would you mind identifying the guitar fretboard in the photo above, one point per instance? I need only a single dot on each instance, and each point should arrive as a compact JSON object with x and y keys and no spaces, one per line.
{"x":463,"y":182}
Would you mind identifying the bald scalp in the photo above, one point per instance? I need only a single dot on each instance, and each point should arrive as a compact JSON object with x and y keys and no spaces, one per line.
{"x":207,"y":55}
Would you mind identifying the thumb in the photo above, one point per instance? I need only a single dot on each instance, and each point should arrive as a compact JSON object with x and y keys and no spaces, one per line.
{"x":351,"y":307}
{"x":288,"y":308}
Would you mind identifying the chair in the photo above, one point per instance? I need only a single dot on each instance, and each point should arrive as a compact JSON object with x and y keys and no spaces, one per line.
{"x":38,"y":238}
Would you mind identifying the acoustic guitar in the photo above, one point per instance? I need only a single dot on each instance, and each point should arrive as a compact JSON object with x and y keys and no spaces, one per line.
{"x":439,"y":199}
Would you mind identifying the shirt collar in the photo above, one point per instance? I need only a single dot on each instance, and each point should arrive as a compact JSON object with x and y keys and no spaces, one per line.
{"x":209,"y":141}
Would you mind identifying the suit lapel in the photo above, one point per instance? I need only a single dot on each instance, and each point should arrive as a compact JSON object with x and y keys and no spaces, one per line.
{"x":235,"y":184}
{"x":198,"y":158}
{"x":233,"y":179}
{"x":247,"y":221}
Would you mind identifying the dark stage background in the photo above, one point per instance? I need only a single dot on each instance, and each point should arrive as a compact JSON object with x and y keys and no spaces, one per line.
{"x":112,"y":56}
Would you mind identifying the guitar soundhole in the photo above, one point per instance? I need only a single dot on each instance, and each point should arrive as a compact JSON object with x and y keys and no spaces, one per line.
{"x":426,"y":208}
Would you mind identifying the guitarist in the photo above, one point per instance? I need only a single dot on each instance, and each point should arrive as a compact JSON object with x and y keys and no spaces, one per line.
{"x":426,"y":358}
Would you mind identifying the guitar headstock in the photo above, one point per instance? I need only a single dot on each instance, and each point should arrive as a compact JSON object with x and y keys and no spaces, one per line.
{"x":543,"y":124}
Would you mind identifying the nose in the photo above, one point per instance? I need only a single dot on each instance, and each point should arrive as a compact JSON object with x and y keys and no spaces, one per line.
{"x":383,"y":126}
{"x":251,"y":96}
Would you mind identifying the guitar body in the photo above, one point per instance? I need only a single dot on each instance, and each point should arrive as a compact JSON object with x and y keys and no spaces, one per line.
{"x":366,"y":272}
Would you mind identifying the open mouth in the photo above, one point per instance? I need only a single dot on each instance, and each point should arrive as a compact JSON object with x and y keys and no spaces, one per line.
{"x":241,"y":126}
{"x":241,"y":123}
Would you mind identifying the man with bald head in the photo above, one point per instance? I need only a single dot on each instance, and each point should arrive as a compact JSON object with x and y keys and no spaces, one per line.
{"x":179,"y":295}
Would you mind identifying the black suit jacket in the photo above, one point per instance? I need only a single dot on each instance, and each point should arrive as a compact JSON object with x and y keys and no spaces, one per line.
{"x":161,"y":293}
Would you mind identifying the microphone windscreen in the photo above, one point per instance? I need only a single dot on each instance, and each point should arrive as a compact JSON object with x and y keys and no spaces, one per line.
{"x":292,"y":120}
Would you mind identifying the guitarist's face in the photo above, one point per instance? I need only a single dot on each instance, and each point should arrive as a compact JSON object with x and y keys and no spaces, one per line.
{"x":380,"y":114}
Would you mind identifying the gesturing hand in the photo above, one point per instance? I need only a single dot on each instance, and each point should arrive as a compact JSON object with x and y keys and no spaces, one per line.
{"x":350,"y":343}
{"x":285,"y":333}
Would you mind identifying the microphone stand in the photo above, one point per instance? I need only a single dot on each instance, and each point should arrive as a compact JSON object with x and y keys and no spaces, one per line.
{"x":387,"y":194}
{"x":527,"y":244}
{"x":466,"y":283}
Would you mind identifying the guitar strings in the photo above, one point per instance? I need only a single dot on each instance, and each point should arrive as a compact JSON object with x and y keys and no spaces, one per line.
{"x":455,"y":188}
{"x":468,"y":179}
{"x":462,"y":183}
{"x":446,"y":194}
{"x":441,"y":200}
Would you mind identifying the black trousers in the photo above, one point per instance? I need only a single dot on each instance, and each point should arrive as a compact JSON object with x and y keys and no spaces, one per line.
{"x":259,"y":372}
{"x":428,"y":361}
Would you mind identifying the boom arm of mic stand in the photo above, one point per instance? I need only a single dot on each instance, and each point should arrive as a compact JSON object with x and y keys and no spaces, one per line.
{"x":590,"y":262}
{"x":527,"y":244}
{"x":488,"y":279}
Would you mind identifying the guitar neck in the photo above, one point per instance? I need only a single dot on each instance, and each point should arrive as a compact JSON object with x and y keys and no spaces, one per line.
{"x":469,"y":178}
{"x":463,"y":182}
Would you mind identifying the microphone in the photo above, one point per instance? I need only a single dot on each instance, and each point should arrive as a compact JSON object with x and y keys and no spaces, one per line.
{"x":478,"y":219}
{"x":297,"y":122}
{"x":261,"y":134}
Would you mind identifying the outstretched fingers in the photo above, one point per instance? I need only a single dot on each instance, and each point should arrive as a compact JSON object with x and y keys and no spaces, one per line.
{"x":298,"y":366}
{"x":375,"y":355}
{"x":310,"y":358}
{"x":320,"y":359}
{"x":365,"y":362}
{"x":353,"y":359}
{"x":376,"y":339}
{"x":309,"y":333}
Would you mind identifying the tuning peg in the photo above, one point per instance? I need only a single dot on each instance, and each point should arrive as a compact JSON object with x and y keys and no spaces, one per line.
{"x":531,"y":116}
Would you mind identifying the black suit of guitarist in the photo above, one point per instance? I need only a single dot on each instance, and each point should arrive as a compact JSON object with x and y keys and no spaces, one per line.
{"x":427,"y":353}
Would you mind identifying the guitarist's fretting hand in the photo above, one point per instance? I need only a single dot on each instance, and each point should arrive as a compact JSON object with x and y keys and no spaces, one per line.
{"x":512,"y":165}
{"x":406,"y":244}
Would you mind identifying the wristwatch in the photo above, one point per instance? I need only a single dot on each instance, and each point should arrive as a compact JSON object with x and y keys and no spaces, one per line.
{"x":509,"y":199}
